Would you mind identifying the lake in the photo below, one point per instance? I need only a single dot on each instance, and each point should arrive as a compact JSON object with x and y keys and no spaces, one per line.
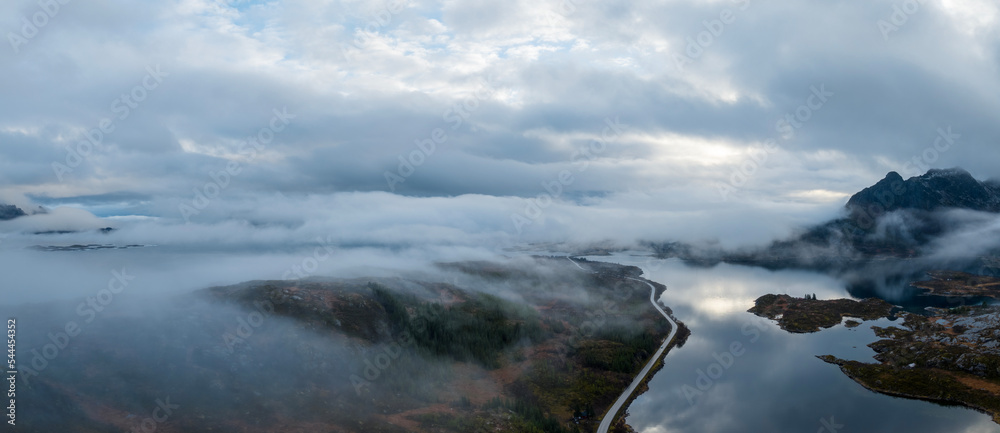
{"x":741,"y":373}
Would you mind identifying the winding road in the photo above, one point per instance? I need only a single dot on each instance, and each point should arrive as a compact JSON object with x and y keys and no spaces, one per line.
{"x":610,"y":415}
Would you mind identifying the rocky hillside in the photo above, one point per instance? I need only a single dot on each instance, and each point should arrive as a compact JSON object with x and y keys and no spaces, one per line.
{"x":896,"y":217}
{"x":892,"y":219}
{"x":937,"y":189}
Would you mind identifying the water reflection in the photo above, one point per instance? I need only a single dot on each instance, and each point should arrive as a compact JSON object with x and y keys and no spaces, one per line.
{"x":740,"y":373}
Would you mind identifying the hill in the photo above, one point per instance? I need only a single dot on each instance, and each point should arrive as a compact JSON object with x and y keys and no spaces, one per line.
{"x":487,"y":351}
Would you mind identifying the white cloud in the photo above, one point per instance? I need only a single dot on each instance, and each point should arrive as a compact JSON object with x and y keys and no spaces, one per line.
{"x":361,"y":106}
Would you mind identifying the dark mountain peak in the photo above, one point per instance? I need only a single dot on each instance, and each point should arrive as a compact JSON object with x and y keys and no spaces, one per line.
{"x":954,"y":172}
{"x":892,"y":177}
{"x":9,"y":212}
{"x":936,"y":189}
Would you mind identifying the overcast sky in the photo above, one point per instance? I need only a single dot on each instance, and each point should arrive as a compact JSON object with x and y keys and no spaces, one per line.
{"x":731,"y":120}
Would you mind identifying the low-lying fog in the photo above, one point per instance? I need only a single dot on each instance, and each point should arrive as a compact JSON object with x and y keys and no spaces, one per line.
{"x":370,"y":234}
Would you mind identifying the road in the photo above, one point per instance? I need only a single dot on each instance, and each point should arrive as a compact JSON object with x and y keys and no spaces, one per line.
{"x":610,"y":416}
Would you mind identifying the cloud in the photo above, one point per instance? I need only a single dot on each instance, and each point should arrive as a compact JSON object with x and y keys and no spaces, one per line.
{"x":368,"y":81}
{"x":59,"y":219}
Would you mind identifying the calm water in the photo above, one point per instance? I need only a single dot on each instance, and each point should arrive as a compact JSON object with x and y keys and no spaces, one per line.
{"x":776,"y":384}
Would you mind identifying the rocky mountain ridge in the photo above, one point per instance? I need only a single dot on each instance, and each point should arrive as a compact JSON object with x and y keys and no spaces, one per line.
{"x":934,"y":190}
{"x":894,"y":219}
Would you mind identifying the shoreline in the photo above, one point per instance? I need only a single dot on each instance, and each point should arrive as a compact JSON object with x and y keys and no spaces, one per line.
{"x":640,"y":382}
{"x":847,"y":368}
{"x":899,"y":394}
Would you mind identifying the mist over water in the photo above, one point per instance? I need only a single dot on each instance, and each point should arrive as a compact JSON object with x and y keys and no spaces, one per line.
{"x":134,"y":310}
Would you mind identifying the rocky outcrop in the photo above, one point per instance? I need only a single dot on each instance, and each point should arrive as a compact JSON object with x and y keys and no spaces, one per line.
{"x":951,"y":357}
{"x":804,"y":315}
{"x":9,"y":212}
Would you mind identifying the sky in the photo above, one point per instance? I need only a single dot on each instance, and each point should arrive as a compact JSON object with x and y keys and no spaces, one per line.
{"x":364,"y":123}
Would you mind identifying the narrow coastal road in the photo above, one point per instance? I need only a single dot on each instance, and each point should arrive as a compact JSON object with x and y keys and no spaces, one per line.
{"x":578,"y":265}
{"x":610,"y":416}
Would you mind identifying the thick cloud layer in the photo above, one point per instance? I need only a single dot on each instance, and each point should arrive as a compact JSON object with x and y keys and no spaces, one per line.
{"x":405,"y":121}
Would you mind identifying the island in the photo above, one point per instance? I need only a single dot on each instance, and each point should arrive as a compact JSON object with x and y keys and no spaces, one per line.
{"x":950,"y":357}
{"x":808,"y":314}
{"x":959,"y":284}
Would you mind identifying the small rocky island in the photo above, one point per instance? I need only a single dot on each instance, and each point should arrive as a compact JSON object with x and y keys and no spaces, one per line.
{"x":959,"y":284}
{"x":804,"y":315}
{"x":951,"y":357}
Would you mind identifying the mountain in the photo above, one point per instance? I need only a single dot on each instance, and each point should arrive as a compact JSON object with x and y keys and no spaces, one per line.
{"x":9,"y":212}
{"x":937,"y":189}
{"x":892,"y":219}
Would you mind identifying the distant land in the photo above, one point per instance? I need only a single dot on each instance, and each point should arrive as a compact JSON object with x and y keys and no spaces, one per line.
{"x":865,"y":234}
{"x":959,"y":284}
{"x":9,"y":212}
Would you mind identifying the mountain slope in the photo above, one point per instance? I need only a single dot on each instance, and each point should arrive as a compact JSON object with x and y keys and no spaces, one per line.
{"x":935,"y":190}
{"x":892,"y":219}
